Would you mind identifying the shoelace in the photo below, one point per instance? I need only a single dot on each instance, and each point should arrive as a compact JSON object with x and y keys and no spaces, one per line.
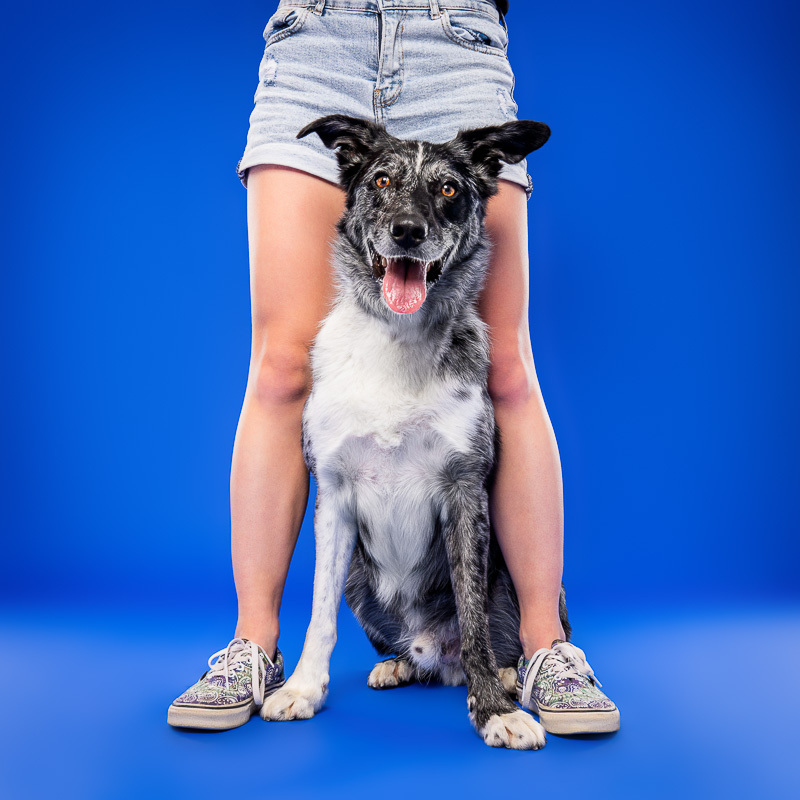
{"x":237,"y":651}
{"x":575,"y":665}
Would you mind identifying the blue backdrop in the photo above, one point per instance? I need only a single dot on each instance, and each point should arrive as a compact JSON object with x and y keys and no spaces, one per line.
{"x":664,"y":289}
{"x":664,"y":295}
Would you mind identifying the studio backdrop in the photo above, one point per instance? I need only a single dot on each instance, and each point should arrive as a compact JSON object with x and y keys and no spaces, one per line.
{"x":663,"y":293}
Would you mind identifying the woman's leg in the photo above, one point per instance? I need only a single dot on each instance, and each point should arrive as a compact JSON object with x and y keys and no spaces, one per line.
{"x":291,"y":219}
{"x":526,"y":501}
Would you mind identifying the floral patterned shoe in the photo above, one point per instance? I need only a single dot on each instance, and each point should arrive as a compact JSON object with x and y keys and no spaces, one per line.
{"x":558,"y":684}
{"x":226,"y":695}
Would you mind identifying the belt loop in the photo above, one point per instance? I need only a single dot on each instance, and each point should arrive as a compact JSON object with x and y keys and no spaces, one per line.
{"x":319,"y":7}
{"x":503,"y":20}
{"x":435,"y":13}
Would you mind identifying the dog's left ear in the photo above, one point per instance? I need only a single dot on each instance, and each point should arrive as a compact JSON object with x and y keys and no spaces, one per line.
{"x":353,"y":138}
{"x":510,"y":142}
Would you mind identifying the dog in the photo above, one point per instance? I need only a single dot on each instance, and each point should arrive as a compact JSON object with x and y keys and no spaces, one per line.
{"x":399,"y":429}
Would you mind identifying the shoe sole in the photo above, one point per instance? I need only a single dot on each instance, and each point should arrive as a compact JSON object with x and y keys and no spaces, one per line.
{"x":566,"y":722}
{"x":221,"y":718}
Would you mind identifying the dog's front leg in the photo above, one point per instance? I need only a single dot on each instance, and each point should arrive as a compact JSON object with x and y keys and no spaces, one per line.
{"x":305,"y":692}
{"x":465,"y":522}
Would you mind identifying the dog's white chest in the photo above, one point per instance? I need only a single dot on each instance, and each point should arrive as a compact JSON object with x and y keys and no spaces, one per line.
{"x":380,"y":427}
{"x":368,"y":385}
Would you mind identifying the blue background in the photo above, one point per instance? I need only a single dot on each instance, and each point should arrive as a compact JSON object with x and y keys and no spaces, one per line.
{"x":664,"y":295}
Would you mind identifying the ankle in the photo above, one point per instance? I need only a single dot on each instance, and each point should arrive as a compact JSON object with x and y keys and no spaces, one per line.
{"x":264,"y":637}
{"x":534,"y":638}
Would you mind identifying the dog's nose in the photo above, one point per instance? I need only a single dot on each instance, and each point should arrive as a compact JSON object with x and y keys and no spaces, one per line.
{"x":408,"y":230}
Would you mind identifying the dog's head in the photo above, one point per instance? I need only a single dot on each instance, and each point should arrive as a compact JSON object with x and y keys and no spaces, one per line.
{"x":414,"y":212}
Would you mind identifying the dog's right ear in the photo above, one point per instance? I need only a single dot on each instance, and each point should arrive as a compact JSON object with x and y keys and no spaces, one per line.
{"x":510,"y":143}
{"x":353,"y":138}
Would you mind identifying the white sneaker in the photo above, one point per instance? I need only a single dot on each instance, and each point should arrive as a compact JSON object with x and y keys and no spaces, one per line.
{"x":226,"y":695}
{"x":558,"y":684}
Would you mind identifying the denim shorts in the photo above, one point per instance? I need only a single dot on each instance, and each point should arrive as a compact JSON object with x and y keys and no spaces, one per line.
{"x":423,"y":68}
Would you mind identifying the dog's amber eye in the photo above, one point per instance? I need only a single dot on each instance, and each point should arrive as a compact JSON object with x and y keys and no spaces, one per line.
{"x":448,"y":190}
{"x":382,"y":180}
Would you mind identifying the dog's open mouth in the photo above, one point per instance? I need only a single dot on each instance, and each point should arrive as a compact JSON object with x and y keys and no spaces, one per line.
{"x":404,"y":280}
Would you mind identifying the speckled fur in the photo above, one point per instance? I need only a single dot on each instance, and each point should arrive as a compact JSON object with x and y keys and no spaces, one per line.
{"x":399,"y":432}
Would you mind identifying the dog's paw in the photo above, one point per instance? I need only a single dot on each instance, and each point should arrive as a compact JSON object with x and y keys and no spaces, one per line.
{"x":517,"y":730}
{"x":508,"y":677}
{"x":288,"y":704}
{"x":391,"y":673}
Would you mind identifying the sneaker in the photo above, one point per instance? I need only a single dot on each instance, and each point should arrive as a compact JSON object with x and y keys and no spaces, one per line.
{"x":558,"y":684}
{"x":226,"y":695}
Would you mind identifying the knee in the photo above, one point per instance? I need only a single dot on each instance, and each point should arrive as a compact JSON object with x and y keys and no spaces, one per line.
{"x":512,"y":377}
{"x":282,"y":374}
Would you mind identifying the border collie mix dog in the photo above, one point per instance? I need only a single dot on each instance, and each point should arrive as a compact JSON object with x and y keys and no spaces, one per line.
{"x":399,"y":429}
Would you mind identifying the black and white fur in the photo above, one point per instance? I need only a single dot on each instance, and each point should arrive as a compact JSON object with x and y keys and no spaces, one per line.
{"x":399,"y":430}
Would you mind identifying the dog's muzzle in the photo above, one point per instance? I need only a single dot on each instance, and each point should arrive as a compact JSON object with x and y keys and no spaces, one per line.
{"x":404,"y":280}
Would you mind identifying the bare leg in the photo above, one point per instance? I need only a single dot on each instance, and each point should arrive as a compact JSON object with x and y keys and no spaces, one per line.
{"x":527,"y":501}
{"x":291,"y":218}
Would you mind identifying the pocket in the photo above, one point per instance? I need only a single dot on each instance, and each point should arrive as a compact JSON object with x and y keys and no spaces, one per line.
{"x":475,"y":30}
{"x":284,"y":22}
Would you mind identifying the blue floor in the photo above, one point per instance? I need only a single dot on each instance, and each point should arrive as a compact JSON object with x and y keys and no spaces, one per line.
{"x":708,"y":701}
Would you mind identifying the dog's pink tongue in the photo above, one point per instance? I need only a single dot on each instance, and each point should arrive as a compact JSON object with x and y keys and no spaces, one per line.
{"x":404,"y":285}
